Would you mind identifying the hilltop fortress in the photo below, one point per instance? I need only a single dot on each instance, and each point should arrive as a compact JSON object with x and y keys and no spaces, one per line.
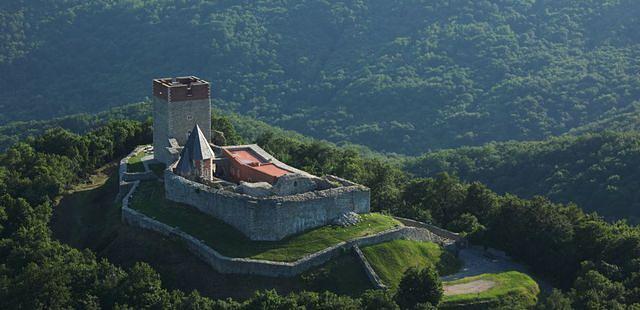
{"x":242,"y":185}
{"x":243,"y":190}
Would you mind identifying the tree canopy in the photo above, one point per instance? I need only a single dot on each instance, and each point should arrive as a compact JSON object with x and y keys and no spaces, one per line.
{"x":400,"y":76}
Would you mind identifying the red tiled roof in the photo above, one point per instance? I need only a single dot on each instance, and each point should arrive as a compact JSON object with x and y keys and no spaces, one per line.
{"x":271,"y":169}
{"x":247,"y":158}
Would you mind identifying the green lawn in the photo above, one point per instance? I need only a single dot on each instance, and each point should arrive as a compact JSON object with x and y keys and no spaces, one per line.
{"x":149,"y":199}
{"x":391,"y":259}
{"x":512,"y":289}
{"x":134,"y":164}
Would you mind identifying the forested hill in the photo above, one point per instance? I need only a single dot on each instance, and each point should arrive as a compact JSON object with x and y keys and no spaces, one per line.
{"x":397,"y":75}
{"x":594,"y":262}
{"x":599,"y":172}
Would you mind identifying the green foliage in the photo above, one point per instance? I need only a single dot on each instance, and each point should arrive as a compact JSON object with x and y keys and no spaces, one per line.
{"x":419,"y":286}
{"x":467,"y":224}
{"x":224,"y":125}
{"x":594,"y":261}
{"x":401,"y":76}
{"x":378,"y":300}
{"x":556,"y":301}
{"x":599,"y":171}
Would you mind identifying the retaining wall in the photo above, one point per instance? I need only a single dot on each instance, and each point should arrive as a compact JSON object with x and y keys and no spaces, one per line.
{"x":268,"y":218}
{"x":373,"y":276}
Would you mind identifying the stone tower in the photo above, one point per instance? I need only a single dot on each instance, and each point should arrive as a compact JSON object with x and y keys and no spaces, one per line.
{"x":179,"y":104}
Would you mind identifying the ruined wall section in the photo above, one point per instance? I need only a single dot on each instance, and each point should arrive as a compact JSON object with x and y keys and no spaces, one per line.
{"x":269,"y":218}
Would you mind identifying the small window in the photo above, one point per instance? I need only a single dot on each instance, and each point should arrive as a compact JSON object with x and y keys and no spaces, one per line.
{"x":189,"y":117}
{"x":295,"y":183}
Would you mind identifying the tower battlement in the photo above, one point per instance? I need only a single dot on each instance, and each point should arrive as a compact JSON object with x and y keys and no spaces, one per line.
{"x":181,"y":88}
{"x":179,"y":104}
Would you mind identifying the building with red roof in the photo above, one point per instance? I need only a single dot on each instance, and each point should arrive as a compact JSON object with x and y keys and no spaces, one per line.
{"x":248,"y":165}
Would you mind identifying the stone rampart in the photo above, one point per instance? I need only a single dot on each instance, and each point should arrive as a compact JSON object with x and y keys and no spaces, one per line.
{"x":224,"y":264}
{"x":268,"y":218}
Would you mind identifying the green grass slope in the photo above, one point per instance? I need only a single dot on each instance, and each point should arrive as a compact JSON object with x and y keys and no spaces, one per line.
{"x":391,"y":259}
{"x":512,"y":290}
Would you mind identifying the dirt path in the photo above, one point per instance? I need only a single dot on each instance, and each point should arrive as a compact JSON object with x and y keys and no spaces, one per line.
{"x":477,"y":286}
{"x":476,"y":262}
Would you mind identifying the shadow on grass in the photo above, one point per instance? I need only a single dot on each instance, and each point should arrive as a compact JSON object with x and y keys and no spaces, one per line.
{"x":86,"y":217}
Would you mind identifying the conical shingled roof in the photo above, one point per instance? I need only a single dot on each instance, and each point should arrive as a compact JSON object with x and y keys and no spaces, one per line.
{"x":197,"y":148}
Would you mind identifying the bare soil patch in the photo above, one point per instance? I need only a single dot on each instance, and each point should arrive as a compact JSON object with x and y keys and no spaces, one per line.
{"x":477,"y":286}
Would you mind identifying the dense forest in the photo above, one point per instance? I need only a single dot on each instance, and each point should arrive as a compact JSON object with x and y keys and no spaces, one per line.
{"x":599,"y":172}
{"x":398,"y":76}
{"x":593,"y":262}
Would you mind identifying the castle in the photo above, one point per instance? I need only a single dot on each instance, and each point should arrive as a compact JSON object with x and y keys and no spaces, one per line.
{"x":242,"y":185}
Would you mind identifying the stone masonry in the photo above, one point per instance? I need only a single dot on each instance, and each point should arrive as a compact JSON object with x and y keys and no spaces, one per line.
{"x":269,"y":218}
{"x":235,"y":265}
{"x":177,"y":107}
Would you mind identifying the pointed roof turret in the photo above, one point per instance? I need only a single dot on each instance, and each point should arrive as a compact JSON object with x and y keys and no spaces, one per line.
{"x":197,"y":148}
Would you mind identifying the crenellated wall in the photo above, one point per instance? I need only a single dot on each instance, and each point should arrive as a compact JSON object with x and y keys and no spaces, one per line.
{"x":269,"y":218}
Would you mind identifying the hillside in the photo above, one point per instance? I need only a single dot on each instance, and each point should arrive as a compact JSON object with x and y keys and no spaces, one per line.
{"x":592,"y":260}
{"x":398,"y":76}
{"x":599,"y":172}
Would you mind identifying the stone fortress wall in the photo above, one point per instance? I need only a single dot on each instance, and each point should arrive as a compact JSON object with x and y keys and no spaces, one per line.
{"x":269,"y":218}
{"x":234,"y":265}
